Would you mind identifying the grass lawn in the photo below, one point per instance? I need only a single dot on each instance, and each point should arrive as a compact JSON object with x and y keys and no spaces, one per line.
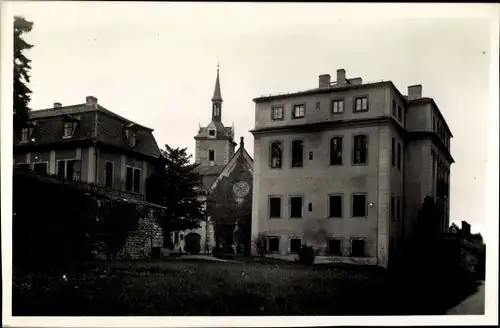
{"x":181,"y":287}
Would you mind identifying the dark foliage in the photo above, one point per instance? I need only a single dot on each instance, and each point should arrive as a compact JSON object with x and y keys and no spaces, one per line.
{"x":173,"y":185}
{"x":306,"y":255}
{"x":260,"y":244}
{"x":21,"y":76}
{"x":52,"y":223}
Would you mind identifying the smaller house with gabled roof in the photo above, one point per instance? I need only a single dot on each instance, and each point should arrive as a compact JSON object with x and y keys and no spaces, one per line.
{"x":89,"y":143}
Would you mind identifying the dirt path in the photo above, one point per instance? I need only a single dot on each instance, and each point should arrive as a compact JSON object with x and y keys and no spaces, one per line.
{"x":202,"y":257}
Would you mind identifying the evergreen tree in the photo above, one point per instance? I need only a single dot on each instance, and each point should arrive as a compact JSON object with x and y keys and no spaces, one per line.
{"x":174,"y":185}
{"x":21,"y":68}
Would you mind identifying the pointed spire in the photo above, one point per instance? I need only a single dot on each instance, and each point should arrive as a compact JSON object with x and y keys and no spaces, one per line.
{"x":217,"y":94}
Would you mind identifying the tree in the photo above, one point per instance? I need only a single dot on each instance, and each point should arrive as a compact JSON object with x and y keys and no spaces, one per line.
{"x":174,"y":185}
{"x":21,"y":68}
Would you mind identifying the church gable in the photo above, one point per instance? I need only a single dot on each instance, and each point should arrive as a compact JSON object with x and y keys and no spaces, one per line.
{"x":230,"y":197}
{"x":239,"y":167}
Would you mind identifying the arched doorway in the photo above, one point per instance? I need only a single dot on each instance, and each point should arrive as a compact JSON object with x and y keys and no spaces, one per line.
{"x":192,"y":243}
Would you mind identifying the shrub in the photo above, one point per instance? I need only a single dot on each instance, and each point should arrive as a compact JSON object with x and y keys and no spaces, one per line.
{"x":260,"y":243}
{"x":306,"y":255}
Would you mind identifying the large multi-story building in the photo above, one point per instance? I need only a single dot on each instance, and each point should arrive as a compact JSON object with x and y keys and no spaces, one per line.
{"x":346,"y":167}
{"x":87,"y":142}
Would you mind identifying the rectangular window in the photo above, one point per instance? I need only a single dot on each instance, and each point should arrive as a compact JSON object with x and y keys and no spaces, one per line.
{"x":361,"y":104}
{"x":399,"y":156}
{"x":275,"y":207}
{"x":310,"y":207}
{"x":336,"y":151}
{"x":69,"y":169}
{"x":273,"y":244}
{"x":24,"y":134}
{"x":61,"y":168}
{"x":297,"y":153}
{"x":129,"y":179}
{"x":335,"y":246}
{"x":393,"y":155}
{"x":310,"y":155}
{"x":211,"y":155}
{"x":137,"y":180}
{"x":277,"y":113}
{"x":211,"y":132}
{"x":299,"y":111}
{"x":296,"y":207}
{"x":359,"y":205}
{"x":360,"y":149}
{"x":295,"y":244}
{"x":133,"y":179}
{"x":335,"y":206}
{"x":434,"y":123}
{"x":40,"y":168}
{"x":338,"y":106}
{"x":176,"y":237}
{"x":318,"y":106}
{"x":393,"y":207}
{"x":398,"y":208}
{"x":394,"y":109}
{"x":68,"y":129}
{"x":108,"y":174}
{"x":358,"y":248}
{"x":400,"y":116}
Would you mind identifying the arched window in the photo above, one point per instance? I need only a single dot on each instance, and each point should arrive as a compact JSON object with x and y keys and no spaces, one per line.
{"x":336,"y":151}
{"x":297,"y":153}
{"x":276,"y":154}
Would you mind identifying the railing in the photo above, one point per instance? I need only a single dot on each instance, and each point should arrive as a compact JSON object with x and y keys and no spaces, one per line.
{"x":463,"y":240}
{"x":87,"y":186}
{"x":107,"y":191}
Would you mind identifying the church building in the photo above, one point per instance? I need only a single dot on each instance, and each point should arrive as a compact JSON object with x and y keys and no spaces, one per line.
{"x":226,"y":188}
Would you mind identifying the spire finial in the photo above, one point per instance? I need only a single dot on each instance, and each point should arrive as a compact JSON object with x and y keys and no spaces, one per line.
{"x":217,"y":94}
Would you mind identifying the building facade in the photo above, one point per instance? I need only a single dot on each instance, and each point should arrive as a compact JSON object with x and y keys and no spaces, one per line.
{"x":345,"y":167}
{"x":87,"y":142}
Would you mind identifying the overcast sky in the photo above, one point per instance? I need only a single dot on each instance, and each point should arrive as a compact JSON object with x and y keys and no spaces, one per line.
{"x":155,"y":63}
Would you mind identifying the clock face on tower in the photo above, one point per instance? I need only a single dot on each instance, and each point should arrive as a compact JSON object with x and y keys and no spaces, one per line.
{"x":241,"y":189}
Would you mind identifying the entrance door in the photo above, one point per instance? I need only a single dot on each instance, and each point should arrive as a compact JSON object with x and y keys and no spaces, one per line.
{"x":193,"y":243}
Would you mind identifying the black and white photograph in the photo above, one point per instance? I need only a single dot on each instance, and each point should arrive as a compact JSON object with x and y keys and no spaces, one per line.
{"x":249,"y":160}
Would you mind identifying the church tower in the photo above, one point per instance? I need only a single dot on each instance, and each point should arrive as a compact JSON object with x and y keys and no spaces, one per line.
{"x":215,"y":143}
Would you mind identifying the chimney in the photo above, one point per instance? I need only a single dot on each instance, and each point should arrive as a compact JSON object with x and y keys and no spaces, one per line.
{"x":356,"y":81}
{"x":341,"y":77}
{"x":324,"y":81}
{"x":465,"y":228}
{"x":242,"y":142}
{"x":57,"y":105}
{"x":91,"y":101}
{"x":414,"y":92}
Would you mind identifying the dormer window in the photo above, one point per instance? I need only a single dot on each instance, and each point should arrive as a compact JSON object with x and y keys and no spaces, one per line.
{"x":211,"y":133}
{"x":69,"y":128}
{"x":131,"y":138}
{"x":130,"y":130}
